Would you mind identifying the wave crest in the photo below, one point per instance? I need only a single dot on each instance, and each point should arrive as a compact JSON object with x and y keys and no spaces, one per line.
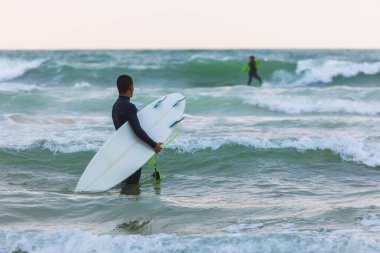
{"x":13,"y":68}
{"x":310,"y":72}
{"x":345,"y":100}
{"x":363,"y":151}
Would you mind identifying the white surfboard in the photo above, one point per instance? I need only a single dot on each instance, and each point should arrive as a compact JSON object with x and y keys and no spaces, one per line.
{"x":124,"y":153}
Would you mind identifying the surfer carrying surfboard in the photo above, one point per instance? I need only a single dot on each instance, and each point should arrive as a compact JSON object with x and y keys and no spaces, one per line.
{"x":124,"y":111}
{"x":252,"y":65}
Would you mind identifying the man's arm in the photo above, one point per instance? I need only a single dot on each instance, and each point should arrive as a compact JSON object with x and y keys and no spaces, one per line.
{"x":135,"y":124}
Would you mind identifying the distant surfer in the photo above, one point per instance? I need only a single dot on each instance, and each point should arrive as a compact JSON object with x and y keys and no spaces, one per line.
{"x":252,"y":66}
{"x":124,"y":111}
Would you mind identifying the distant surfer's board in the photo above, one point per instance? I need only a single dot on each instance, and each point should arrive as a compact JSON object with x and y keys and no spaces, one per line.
{"x":124,"y":153}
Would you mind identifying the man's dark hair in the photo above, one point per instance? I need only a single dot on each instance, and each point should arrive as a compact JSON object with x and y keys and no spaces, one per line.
{"x":252,"y":57}
{"x":123,"y":83}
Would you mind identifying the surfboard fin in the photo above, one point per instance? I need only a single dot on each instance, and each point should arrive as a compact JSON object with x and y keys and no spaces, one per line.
{"x":159,"y":102}
{"x":175,"y":123}
{"x":179,"y":101}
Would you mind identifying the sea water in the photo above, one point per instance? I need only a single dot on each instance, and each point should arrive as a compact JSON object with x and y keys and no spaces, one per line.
{"x":291,"y":166}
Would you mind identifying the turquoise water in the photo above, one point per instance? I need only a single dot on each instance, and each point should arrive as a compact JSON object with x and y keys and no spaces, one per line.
{"x":292,"y":166}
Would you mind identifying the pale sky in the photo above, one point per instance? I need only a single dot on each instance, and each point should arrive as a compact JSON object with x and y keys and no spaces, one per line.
{"x":183,"y":24}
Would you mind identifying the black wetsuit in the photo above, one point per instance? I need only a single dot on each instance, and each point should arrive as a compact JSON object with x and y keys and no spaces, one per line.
{"x":124,"y":111}
{"x":253,"y":73}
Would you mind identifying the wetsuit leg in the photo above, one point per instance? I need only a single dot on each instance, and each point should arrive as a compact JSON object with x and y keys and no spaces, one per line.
{"x":256,"y":76}
{"x":130,"y":186}
{"x":133,"y":179}
{"x":249,"y":79}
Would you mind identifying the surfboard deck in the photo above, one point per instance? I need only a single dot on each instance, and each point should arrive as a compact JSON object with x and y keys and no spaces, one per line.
{"x":124,"y":153}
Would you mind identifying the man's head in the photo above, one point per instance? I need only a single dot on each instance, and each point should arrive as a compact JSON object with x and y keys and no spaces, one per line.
{"x":251,"y":58}
{"x":125,"y":85}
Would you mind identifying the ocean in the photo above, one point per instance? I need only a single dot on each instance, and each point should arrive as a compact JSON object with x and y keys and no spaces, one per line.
{"x":292,"y":166}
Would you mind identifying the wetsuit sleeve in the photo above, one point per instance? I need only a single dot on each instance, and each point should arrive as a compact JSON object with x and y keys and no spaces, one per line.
{"x":245,"y":68}
{"x":135,"y":124}
{"x":257,"y":62}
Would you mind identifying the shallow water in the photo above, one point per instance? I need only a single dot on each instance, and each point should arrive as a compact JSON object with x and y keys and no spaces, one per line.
{"x":292,"y":166}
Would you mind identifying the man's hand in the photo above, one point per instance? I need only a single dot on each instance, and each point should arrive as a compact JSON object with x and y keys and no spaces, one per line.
{"x":158,"y":147}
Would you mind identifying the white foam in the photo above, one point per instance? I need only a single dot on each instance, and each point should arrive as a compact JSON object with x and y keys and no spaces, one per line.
{"x":82,"y":85}
{"x":371,"y":222}
{"x":205,"y":57}
{"x":70,"y":241}
{"x":298,"y":100}
{"x":16,"y":87}
{"x":144,"y":66}
{"x":287,"y":225}
{"x":242,"y":226}
{"x":322,"y":71}
{"x":316,"y":100}
{"x":313,"y":71}
{"x":356,"y":149}
{"x":12,"y":68}
{"x":65,"y":133}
